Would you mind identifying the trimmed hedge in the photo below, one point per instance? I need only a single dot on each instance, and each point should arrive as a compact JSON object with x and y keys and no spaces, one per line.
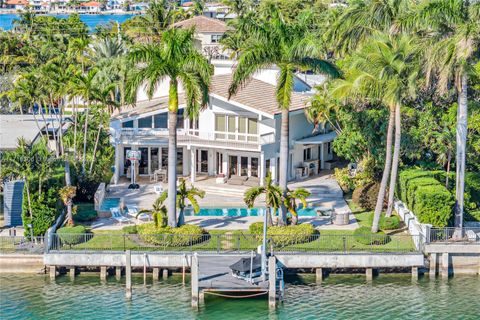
{"x":365,"y":236}
{"x":427,"y":197}
{"x":286,"y":235}
{"x":167,"y":236}
{"x":386,"y":223}
{"x":71,"y":235}
{"x":85,"y":212}
{"x":366,"y":196}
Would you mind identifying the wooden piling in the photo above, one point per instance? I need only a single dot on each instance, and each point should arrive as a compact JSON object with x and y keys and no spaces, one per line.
{"x":433,"y":266}
{"x":156,"y":273}
{"x":71,"y":272}
{"x":103,"y":273}
{"x":319,"y":274}
{"x":272,"y":282}
{"x":414,"y":273}
{"x":128,"y":274}
{"x":369,"y":274}
{"x":445,"y":263}
{"x":165,"y":273}
{"x":194,"y":281}
{"x":53,"y":272}
{"x":118,"y":273}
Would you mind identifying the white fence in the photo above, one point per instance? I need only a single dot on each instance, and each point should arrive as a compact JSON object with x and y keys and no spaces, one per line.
{"x":419,"y":231}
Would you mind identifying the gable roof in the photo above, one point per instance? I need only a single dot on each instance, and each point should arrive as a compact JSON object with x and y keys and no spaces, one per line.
{"x":143,"y":107}
{"x":203,"y":24}
{"x":256,"y":94}
{"x":17,"y":2}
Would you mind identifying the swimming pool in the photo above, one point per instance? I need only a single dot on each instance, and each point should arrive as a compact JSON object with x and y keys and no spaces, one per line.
{"x":109,"y":203}
{"x":244,"y":212}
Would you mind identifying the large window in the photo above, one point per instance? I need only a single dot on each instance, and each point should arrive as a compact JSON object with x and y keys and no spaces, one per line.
{"x":161,"y":120}
{"x":127,"y":124}
{"x":145,"y":122}
{"x":307,"y":154}
{"x":180,"y":118}
{"x":236,"y":127}
{"x":220,"y":125}
{"x":254,"y":167}
{"x":180,"y":161}
{"x":216,"y":38}
{"x":252,"y":128}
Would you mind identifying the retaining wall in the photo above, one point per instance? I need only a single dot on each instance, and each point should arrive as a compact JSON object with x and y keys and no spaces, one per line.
{"x":21,"y":263}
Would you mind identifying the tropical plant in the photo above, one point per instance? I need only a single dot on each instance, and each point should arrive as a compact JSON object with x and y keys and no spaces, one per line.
{"x":290,"y":47}
{"x":67,"y":194}
{"x":175,"y":60}
{"x":290,"y":201}
{"x":158,"y":211}
{"x":385,"y":71}
{"x":273,"y":197}
{"x":453,"y":30}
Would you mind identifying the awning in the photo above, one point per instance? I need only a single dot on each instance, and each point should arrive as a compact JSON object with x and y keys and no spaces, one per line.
{"x":318,"y":139}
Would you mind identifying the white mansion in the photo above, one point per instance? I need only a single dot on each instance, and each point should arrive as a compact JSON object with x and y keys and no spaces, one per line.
{"x":237,"y":137}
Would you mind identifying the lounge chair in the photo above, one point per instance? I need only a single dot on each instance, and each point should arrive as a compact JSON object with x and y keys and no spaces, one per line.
{"x":236,"y":180}
{"x":117,"y":216}
{"x":252,"y":182}
{"x":133,"y":213}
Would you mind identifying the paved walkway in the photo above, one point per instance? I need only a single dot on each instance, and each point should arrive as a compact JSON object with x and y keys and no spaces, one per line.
{"x":325,"y":195}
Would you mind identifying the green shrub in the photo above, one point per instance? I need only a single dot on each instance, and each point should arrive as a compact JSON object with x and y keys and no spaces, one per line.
{"x":174,"y":237}
{"x":366,"y":196}
{"x":130,"y":229}
{"x":84,"y":212}
{"x":427,"y":197}
{"x":472,"y":215}
{"x":71,"y":235}
{"x":286,"y":235}
{"x":386,"y":223}
{"x":344,"y":180}
{"x":45,"y":209}
{"x":365,"y":236}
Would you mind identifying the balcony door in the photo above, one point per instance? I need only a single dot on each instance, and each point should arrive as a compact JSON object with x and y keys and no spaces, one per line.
{"x":233,"y":165}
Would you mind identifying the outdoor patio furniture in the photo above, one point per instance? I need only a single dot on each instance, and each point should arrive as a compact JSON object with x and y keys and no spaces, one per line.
{"x":158,"y":188}
{"x":236,"y":180}
{"x":252,"y":182}
{"x":133,"y":212}
{"x":117,"y":216}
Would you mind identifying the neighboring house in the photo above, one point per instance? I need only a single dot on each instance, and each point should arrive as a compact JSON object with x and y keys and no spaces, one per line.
{"x":16,"y":4}
{"x":240,"y":136}
{"x":13,"y":127}
{"x":91,"y":7}
{"x":208,"y":33}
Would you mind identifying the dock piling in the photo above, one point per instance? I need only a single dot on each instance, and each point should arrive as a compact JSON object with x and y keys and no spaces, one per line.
{"x":369,"y":274}
{"x":118,"y":273}
{"x":272,"y":282}
{"x":433,"y":265}
{"x":53,"y":272}
{"x":165,"y":273}
{"x":414,"y":273}
{"x":156,"y":273}
{"x":103,"y":273}
{"x":71,"y":272}
{"x":128,"y":274}
{"x":319,"y":274}
{"x":445,"y":262}
{"x":194,"y":281}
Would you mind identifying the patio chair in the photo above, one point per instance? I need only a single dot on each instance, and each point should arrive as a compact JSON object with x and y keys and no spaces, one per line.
{"x":117,"y":216}
{"x":133,"y":212}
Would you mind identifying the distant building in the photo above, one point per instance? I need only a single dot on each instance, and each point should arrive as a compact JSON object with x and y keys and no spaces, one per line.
{"x":16,"y":4}
{"x":208,"y":33}
{"x":90,"y":7}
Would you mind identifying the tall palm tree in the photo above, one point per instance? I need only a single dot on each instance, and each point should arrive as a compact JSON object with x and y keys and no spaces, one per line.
{"x":384,"y":71}
{"x":84,"y":86}
{"x":67,"y":194}
{"x":273,"y":197}
{"x":453,"y":28}
{"x":177,"y":61}
{"x":290,"y":47}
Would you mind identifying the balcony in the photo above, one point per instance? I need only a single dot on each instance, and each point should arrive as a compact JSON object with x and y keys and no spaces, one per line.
{"x":197,"y":138}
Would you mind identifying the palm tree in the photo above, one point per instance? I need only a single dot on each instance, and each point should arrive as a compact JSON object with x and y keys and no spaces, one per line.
{"x":384,"y":71}
{"x":290,"y":201}
{"x":177,"y":61}
{"x":290,"y":47}
{"x":158,"y":211}
{"x":190,"y":194}
{"x":158,"y":17}
{"x":183,"y":194}
{"x":273,"y":197}
{"x":67,"y":194}
{"x":453,"y":28}
{"x":84,"y":86}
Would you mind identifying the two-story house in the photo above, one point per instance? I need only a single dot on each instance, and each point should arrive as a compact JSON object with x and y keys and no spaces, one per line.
{"x":236,"y":137}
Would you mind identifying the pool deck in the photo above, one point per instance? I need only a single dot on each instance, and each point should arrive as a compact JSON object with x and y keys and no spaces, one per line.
{"x":325,"y":194}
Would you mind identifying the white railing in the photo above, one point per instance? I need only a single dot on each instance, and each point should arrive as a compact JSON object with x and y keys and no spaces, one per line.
{"x":212,"y":136}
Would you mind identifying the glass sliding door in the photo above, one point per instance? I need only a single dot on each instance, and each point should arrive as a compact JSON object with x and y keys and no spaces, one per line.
{"x":164,"y":158}
{"x":154,"y":159}
{"x":143,"y":163}
{"x":202,"y":161}
{"x":254,"y":167}
{"x":219,"y":164}
{"x":233,"y":165}
{"x":244,"y":166}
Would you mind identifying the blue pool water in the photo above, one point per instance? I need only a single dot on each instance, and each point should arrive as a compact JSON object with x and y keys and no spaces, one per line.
{"x":109,"y":203}
{"x":244,"y":212}
{"x":91,"y":20}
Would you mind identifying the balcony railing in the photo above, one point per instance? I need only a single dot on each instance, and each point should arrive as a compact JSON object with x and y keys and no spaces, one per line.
{"x":194,"y":135}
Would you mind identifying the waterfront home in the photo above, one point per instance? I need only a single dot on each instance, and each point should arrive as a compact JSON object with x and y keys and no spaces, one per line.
{"x":16,"y":4}
{"x":90,"y":7}
{"x":208,"y":33}
{"x":236,"y":140}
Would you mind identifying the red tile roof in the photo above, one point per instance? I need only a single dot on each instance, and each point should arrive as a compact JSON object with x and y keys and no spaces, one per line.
{"x":17,"y":2}
{"x":91,"y":4}
{"x":203,"y":24}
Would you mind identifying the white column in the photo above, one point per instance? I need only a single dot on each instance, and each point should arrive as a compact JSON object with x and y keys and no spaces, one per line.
{"x":118,"y":152}
{"x":193,"y":162}
{"x":322,"y":156}
{"x":262,"y":168}
{"x":225,"y":164}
